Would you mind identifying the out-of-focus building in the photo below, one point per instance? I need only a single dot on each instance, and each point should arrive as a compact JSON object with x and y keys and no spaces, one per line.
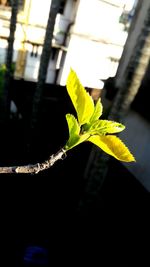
{"x":132,"y":41}
{"x":96,"y":41}
{"x":31,"y":24}
{"x":88,"y":37}
{"x":134,"y":63}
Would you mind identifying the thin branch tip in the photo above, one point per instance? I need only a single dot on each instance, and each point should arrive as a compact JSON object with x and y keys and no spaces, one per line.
{"x":38,"y":167}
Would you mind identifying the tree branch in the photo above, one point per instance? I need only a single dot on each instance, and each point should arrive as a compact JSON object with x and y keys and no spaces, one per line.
{"x":35,"y":168}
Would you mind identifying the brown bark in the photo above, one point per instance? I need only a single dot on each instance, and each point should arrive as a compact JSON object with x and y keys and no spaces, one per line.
{"x":35,"y":168}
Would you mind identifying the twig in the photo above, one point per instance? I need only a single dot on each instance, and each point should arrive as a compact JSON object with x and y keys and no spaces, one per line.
{"x":35,"y":168}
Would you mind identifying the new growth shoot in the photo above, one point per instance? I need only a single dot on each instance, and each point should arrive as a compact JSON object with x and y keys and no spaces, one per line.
{"x":89,"y":127}
{"x":86,"y":127}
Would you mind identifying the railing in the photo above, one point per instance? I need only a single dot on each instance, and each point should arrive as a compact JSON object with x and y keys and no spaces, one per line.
{"x":44,"y":61}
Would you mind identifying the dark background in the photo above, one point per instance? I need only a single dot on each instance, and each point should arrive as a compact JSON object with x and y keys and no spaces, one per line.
{"x":43,"y":209}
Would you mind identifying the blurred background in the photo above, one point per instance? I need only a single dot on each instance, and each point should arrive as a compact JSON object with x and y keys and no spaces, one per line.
{"x":107,"y":43}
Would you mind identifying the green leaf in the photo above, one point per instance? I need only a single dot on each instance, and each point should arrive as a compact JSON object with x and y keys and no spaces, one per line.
{"x":96,"y":114}
{"x":89,"y":127}
{"x":113,"y":146}
{"x":75,"y":138}
{"x":81,"y":100}
{"x":73,"y":125}
{"x":103,"y":127}
{"x":74,"y":130}
{"x":98,"y":109}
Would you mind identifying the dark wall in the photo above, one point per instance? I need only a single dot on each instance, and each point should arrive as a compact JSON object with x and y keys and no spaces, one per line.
{"x":142,"y":99}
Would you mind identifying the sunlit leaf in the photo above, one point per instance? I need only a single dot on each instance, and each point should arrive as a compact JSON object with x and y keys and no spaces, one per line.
{"x":103,"y":127}
{"x":81,"y":100}
{"x":73,"y":125}
{"x":89,"y":127}
{"x":74,"y":130}
{"x":98,"y":109}
{"x":113,"y":146}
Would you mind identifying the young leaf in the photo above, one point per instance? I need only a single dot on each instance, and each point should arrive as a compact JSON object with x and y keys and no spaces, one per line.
{"x":113,"y":146}
{"x":98,"y":109}
{"x":81,"y":100}
{"x":103,"y":127}
{"x":74,"y":130}
{"x":74,"y":133}
{"x":97,"y":113}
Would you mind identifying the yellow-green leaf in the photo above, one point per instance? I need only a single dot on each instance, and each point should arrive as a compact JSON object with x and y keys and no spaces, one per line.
{"x":81,"y":100}
{"x":98,"y":109}
{"x":113,"y":146}
{"x":73,"y":125}
{"x":103,"y":127}
{"x":74,"y":130}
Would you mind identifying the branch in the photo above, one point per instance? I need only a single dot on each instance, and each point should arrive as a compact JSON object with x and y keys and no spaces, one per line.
{"x":35,"y":168}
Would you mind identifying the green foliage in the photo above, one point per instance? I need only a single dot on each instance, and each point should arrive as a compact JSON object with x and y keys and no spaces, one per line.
{"x":113,"y":146}
{"x":75,"y":137}
{"x":81,"y":100}
{"x":98,"y":109}
{"x":74,"y":131}
{"x":103,"y":127}
{"x":88,"y":127}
